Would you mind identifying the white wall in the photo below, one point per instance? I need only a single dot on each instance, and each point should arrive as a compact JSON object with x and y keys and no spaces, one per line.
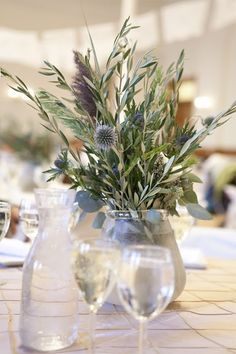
{"x":211,"y":61}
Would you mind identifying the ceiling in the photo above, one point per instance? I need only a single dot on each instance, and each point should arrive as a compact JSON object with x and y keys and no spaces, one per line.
{"x":44,"y":15}
{"x":51,"y":29}
{"x":40,"y":15}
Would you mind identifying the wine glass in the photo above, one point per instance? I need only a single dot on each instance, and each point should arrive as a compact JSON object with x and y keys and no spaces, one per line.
{"x":29,"y":218}
{"x":74,"y":217}
{"x":95,"y":264}
{"x":145,"y":284}
{"x":5,"y":214}
{"x":181,"y":224}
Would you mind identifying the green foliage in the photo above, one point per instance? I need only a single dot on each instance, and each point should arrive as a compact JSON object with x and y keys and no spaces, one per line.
{"x":61,"y":164}
{"x":148,"y":157}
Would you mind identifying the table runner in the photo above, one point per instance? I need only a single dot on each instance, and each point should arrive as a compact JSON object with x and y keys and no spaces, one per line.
{"x":201,"y":321}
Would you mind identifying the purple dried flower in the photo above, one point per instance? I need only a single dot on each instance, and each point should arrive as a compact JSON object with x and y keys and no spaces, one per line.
{"x":81,"y":88}
{"x":59,"y":164}
{"x":115,"y":170}
{"x":104,"y":137}
{"x":138,"y":119}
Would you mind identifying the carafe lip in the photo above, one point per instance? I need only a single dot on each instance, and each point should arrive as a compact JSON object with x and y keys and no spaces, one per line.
{"x":50,"y":198}
{"x":135,"y":214}
{"x":54,"y":191}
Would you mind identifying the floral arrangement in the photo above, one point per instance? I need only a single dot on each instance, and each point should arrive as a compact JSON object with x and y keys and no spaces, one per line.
{"x":139,"y":158}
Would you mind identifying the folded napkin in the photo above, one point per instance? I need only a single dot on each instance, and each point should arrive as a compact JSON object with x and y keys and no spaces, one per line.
{"x":214,"y":242}
{"x":193,"y":258}
{"x":13,"y":252}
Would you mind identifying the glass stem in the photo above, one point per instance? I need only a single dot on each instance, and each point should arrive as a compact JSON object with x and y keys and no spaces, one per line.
{"x":92,"y":325}
{"x":142,"y":336}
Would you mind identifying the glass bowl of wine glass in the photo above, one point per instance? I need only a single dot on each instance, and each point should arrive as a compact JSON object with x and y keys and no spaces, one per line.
{"x":145,"y":284}
{"x":5,"y":216}
{"x":29,"y":218}
{"x":95,"y":263}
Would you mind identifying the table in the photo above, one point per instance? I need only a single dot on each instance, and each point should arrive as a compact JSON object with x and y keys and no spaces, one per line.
{"x":201,"y":321}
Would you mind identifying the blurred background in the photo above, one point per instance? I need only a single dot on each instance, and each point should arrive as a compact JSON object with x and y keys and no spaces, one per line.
{"x":32,"y":31}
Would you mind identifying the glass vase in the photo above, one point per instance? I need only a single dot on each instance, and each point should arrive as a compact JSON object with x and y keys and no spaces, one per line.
{"x":142,"y":227}
{"x":48,"y":318}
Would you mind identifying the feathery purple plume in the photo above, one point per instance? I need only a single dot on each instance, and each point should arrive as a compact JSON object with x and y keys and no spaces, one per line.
{"x":81,"y":88}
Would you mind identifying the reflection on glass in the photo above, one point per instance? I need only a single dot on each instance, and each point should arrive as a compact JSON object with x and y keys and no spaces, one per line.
{"x":29,"y":218}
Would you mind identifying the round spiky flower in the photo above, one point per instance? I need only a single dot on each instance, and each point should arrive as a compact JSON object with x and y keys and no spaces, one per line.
{"x":104,"y":137}
{"x":182,"y":139}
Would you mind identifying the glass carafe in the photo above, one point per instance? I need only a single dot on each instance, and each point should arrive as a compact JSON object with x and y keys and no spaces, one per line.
{"x":48,"y":319}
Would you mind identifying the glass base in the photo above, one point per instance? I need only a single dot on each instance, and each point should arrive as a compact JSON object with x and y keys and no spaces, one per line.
{"x":48,"y":343}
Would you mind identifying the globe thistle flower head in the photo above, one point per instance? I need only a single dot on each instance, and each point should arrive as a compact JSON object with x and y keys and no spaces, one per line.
{"x":115,"y":169}
{"x":104,"y":137}
{"x":182,"y":139}
{"x":138,"y":119}
{"x":59,"y":164}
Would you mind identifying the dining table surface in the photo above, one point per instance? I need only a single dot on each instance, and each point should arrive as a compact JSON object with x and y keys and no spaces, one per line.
{"x":202,"y":320}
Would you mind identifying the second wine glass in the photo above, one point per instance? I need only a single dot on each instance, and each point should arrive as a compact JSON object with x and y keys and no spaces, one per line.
{"x":29,"y":218}
{"x":95,"y":263}
{"x":181,"y":224}
{"x":145,"y":284}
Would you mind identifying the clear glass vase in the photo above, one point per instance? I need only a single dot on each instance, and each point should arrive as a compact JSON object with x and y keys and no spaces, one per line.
{"x":142,"y":227}
{"x":48,"y":318}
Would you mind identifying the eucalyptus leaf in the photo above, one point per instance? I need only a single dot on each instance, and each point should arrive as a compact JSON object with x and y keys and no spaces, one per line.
{"x":198,"y":212}
{"x":87,"y":202}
